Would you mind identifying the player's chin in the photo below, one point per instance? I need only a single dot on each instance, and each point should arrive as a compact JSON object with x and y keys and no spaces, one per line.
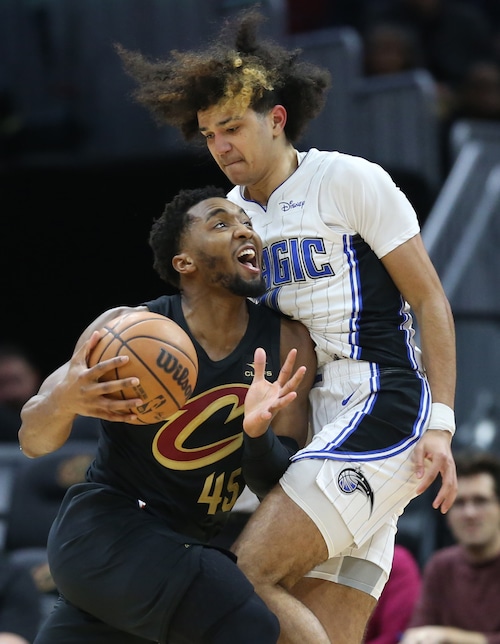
{"x":236,"y":174}
{"x":249,"y":287}
{"x":256,"y":287}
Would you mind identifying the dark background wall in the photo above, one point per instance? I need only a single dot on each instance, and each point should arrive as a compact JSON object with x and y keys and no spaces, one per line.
{"x":73,"y":242}
{"x":83,"y":168}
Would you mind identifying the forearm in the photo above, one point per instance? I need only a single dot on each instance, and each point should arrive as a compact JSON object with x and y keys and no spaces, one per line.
{"x":444,"y":635}
{"x":45,"y":424}
{"x":265,"y":459}
{"x":437,"y":337}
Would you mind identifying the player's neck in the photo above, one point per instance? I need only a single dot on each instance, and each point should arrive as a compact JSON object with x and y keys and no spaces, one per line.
{"x":485,"y":552}
{"x":279,"y":170}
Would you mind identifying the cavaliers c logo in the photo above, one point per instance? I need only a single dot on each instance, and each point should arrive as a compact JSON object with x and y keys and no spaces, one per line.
{"x":169,"y":443}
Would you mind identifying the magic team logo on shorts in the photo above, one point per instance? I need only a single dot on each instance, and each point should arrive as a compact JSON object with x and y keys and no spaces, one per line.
{"x":351,"y":480}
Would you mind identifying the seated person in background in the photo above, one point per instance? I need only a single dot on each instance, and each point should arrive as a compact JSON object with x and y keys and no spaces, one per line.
{"x":397,"y":601}
{"x":390,"y":49}
{"x":478,"y":93}
{"x":19,"y":604}
{"x":19,"y":380}
{"x":38,"y":490}
{"x":460,"y":593}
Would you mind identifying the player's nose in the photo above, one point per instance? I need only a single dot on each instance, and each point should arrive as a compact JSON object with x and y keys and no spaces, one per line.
{"x":242,"y":230}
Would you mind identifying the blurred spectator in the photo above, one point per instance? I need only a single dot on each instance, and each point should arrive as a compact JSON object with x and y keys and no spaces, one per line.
{"x":452,"y":34}
{"x":305,"y":15}
{"x":478,"y":94}
{"x":38,"y":490}
{"x":397,"y":601}
{"x":20,"y":379}
{"x":19,"y":604}
{"x":460,"y":591}
{"x":477,"y":97}
{"x":390,"y":49}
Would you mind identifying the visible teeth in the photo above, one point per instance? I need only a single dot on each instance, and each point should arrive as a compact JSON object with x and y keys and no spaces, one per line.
{"x":248,"y":252}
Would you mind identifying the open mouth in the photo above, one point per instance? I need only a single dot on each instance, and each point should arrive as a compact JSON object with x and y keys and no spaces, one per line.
{"x":248,"y":258}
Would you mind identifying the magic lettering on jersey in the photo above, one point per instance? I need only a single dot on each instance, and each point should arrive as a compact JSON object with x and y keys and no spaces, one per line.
{"x":169,"y":445}
{"x":295,"y":260}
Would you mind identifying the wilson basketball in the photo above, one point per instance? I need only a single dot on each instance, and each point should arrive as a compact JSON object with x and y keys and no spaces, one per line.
{"x":161,"y":355}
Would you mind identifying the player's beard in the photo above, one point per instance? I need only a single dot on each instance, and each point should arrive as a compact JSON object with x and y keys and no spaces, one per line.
{"x":233,"y":282}
{"x":244,"y":288}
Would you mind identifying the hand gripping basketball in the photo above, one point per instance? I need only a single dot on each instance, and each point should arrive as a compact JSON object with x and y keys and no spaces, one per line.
{"x":161,"y":355}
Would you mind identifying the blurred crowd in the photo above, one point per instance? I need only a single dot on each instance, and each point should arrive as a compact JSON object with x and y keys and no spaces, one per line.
{"x":456,"y":41}
{"x":31,"y":493}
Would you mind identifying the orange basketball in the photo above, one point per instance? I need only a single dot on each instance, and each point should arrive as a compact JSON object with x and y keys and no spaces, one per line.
{"x":161,"y":355}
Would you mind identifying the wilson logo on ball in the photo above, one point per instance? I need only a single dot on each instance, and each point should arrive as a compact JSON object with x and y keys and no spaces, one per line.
{"x":181,"y":374}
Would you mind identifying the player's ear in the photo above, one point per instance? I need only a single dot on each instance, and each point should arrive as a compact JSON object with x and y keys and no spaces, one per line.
{"x":183,"y":263}
{"x":279,"y":117}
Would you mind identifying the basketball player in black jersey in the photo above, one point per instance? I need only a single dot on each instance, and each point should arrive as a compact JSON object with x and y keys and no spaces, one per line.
{"x":128,"y":548}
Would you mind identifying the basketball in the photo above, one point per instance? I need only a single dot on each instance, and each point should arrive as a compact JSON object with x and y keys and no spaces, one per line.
{"x":161,"y":355}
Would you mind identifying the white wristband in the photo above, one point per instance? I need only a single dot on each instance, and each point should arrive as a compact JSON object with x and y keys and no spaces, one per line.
{"x":442,"y":417}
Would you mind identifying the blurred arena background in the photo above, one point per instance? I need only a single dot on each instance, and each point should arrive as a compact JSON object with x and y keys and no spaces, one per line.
{"x":83,"y":170}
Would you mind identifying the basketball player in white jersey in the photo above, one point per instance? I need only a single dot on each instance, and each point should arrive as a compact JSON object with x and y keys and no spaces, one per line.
{"x":343,"y":254}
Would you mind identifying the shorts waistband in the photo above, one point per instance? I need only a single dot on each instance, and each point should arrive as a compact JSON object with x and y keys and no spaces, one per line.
{"x":344,"y":367}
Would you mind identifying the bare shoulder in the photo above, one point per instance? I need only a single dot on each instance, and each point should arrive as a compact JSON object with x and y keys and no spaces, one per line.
{"x":115,"y":312}
{"x":104,"y":318}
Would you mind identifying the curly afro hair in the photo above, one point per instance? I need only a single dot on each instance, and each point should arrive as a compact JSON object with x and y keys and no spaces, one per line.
{"x":250,"y":73}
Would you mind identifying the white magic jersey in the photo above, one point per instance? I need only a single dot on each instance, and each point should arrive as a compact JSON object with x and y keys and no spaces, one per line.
{"x":324,"y":230}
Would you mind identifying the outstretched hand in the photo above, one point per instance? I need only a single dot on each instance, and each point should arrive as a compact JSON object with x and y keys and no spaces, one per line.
{"x":264,"y":399}
{"x":433,"y":456}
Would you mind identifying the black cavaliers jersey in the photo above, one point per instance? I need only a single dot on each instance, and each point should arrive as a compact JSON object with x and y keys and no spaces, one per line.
{"x":188,"y":469}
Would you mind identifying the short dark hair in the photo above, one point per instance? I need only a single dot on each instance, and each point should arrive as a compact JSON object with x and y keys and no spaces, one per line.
{"x":236,"y":67}
{"x":166,"y":232}
{"x":472,"y":463}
